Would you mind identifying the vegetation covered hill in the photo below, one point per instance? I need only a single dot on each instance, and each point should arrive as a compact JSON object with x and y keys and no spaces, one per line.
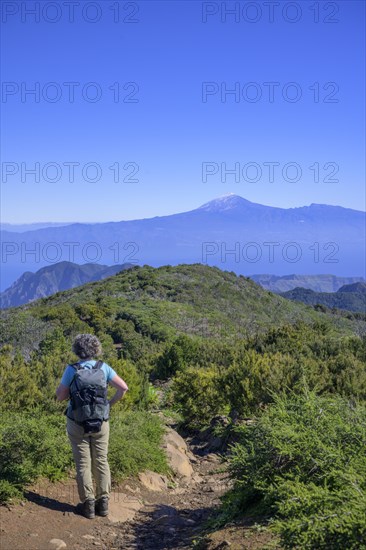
{"x":156,"y":304}
{"x":54,"y":278}
{"x":359,"y":287}
{"x":155,"y":321}
{"x":349,"y":297}
{"x":228,"y":347}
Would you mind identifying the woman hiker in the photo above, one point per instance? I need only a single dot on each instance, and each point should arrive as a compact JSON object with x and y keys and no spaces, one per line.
{"x":85,"y":383}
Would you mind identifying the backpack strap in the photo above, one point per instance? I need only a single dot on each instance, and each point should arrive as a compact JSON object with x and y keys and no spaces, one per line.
{"x":98,"y":365}
{"x":76,"y":366}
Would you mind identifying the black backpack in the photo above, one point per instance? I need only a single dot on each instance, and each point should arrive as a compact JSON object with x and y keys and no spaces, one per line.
{"x":88,"y":397}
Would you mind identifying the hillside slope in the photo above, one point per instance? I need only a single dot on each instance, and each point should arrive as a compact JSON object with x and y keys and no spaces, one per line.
{"x":348,"y":297}
{"x":54,"y":278}
{"x":157,"y":304}
{"x":247,"y":347}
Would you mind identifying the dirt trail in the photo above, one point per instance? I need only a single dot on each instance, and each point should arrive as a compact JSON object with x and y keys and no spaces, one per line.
{"x":140,"y":518}
{"x":167,"y":519}
{"x":176,"y":518}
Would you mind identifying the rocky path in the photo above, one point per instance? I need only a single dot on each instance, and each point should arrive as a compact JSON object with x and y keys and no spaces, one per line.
{"x":148,"y":513}
{"x":175,"y":518}
{"x":151,"y":512}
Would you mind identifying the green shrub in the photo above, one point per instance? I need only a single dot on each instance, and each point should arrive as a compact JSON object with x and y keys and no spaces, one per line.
{"x":33,"y":445}
{"x":134,"y":444}
{"x":36,"y":445}
{"x":251,"y":380}
{"x":132,"y":343}
{"x":170,"y":362}
{"x":18,"y":386}
{"x":304,"y":462}
{"x":198,"y":396}
{"x":8,"y":491}
{"x":177,"y":356}
{"x":134,"y":380}
{"x":317,"y":517}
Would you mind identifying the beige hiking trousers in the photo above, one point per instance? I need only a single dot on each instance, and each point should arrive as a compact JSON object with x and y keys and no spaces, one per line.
{"x":90,"y":454}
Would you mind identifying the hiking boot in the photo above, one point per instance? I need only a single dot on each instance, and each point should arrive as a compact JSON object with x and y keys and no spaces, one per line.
{"x":87,"y":508}
{"x":101,"y":506}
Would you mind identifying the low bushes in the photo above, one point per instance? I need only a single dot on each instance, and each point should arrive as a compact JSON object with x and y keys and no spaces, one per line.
{"x":197,"y":396}
{"x":31,"y":445}
{"x":34,"y":445}
{"x":303,"y":463}
{"x":252,"y":379}
{"x":135,"y":444}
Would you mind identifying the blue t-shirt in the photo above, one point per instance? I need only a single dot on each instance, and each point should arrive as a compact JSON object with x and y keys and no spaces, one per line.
{"x":69,"y":372}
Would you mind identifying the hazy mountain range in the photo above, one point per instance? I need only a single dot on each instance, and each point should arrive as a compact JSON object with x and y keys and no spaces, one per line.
{"x":349,"y":297}
{"x":66,"y":275}
{"x":54,"y":278}
{"x":22,"y":227}
{"x":229,"y":232}
{"x":317,"y":283}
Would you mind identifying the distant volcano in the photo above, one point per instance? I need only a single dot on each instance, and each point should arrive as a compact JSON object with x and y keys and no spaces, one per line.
{"x":230,"y":232}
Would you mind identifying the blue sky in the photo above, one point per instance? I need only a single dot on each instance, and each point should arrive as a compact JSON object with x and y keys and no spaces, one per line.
{"x":163,"y":138}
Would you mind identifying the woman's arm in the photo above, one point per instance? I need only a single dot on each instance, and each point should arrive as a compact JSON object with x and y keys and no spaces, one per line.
{"x":62,"y":392}
{"x":121,"y":388}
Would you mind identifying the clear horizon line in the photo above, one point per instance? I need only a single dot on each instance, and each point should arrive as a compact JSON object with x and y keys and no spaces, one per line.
{"x":174,"y":213}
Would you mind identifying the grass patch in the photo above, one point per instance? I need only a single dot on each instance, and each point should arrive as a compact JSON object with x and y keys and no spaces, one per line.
{"x":35,"y":445}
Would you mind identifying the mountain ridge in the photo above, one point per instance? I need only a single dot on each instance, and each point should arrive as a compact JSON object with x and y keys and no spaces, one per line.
{"x":318,"y":283}
{"x":208,"y":234}
{"x":55,"y":278}
{"x":196,"y":300}
{"x":222,"y":203}
{"x":348,"y":297}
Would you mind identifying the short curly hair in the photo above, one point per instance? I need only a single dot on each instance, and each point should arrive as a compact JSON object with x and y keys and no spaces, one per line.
{"x":86,"y":346}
